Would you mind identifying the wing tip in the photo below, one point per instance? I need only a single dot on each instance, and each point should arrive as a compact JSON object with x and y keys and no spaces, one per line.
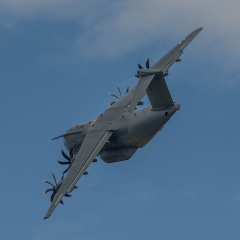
{"x":198,"y":30}
{"x":47,"y":217}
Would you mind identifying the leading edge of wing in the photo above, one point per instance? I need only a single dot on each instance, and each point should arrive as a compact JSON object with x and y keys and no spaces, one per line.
{"x":92,"y":144}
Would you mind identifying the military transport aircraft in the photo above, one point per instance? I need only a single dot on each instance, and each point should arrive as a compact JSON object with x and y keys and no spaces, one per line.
{"x":121,"y":129}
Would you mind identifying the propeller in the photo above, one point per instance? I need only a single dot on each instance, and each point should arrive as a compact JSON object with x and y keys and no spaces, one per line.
{"x":120,"y":93}
{"x":114,"y":95}
{"x":75,"y":187}
{"x":63,"y":163}
{"x":65,"y":155}
{"x":56,"y":188}
{"x":54,"y":178}
{"x":147,"y":63}
{"x":140,"y":67}
{"x":139,"y":103}
{"x":69,"y":162}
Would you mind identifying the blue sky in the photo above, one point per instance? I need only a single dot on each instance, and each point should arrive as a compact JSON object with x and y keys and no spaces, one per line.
{"x":60,"y":59}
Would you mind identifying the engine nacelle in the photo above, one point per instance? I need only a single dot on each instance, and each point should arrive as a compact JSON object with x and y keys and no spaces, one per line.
{"x":117,"y":155}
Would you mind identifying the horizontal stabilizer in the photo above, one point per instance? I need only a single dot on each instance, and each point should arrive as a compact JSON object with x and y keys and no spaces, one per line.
{"x":67,"y":134}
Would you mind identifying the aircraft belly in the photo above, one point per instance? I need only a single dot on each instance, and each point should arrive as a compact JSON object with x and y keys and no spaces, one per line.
{"x":143,"y":129}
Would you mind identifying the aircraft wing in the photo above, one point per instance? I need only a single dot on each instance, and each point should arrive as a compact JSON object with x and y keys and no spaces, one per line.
{"x":157,"y":71}
{"x":92,"y":144}
{"x":140,"y":90}
{"x":171,"y":57}
{"x":131,"y":98}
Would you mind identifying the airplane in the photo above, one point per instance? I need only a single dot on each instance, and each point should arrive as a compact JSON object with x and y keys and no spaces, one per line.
{"x":121,"y":129}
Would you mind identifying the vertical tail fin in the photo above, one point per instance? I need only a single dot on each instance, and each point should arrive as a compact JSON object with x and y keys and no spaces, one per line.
{"x":159,"y":94}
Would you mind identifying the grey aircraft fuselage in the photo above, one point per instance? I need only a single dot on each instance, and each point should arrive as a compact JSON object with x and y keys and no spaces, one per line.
{"x":121,"y":129}
{"x":134,"y":131}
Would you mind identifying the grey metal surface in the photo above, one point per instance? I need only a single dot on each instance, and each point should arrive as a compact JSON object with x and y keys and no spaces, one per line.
{"x":140,"y":91}
{"x":117,"y":154}
{"x":159,"y":94}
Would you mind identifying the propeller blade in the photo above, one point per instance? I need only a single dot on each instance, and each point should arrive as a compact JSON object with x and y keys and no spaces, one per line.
{"x":66,"y":169}
{"x":94,"y":160}
{"x":113,"y":95}
{"x":65,"y":155}
{"x":75,"y":187}
{"x":62,"y":202}
{"x":67,"y":195}
{"x":147,"y":63}
{"x":48,"y":183}
{"x":62,"y":176}
{"x":48,"y":190}
{"x":54,"y":178}
{"x":71,"y":154}
{"x":137,"y":76}
{"x":119,"y":91}
{"x":139,"y":66}
{"x":52,"y":196}
{"x":127,"y":90}
{"x":63,"y":163}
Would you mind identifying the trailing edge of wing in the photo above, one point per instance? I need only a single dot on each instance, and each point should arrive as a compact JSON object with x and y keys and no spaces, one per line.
{"x":92,"y":144}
